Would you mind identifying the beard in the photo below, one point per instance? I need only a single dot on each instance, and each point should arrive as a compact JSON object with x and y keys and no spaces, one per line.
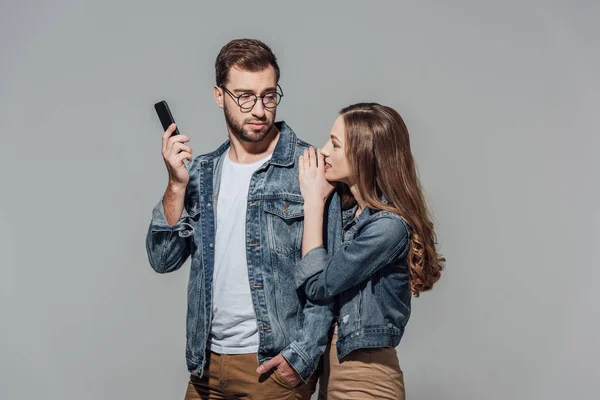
{"x":248,"y":134}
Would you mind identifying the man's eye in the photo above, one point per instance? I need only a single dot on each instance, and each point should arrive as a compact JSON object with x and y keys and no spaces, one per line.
{"x":246,"y":97}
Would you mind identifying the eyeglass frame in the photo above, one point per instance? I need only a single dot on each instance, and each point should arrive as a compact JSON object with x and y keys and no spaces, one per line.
{"x":237,"y":98}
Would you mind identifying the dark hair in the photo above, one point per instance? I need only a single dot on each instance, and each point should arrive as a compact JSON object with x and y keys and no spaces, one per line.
{"x":381,"y":163}
{"x":246,"y":54}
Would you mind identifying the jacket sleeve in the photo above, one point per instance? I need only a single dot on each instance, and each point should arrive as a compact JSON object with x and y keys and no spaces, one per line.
{"x":325,"y":275}
{"x":304,"y":353}
{"x":168,"y":246}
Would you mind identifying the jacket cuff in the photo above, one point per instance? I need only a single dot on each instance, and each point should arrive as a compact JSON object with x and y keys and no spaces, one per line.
{"x":313,"y":262}
{"x":300,"y":361}
{"x":159,"y":222}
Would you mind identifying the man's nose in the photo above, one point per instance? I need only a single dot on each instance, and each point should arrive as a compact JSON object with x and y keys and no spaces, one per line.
{"x":259,"y":109}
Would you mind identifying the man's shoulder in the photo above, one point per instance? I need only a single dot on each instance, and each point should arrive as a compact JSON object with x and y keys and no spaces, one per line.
{"x":211,"y":155}
{"x":301,"y":144}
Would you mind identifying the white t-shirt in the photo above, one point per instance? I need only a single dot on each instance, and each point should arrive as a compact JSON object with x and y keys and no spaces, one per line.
{"x":234,"y":329}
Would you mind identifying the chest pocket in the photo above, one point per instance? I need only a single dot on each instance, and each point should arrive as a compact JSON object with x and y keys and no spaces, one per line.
{"x":285,"y":222}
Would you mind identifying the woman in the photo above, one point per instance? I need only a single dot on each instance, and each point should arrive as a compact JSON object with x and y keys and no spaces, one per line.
{"x":386,"y":255}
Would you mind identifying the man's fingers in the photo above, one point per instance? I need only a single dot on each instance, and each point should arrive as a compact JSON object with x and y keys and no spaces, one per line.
{"x":171,"y":128}
{"x":167,"y":134}
{"x":287,"y":373}
{"x":184,"y":155}
{"x":178,"y":138}
{"x":174,"y":141}
{"x":187,"y":149}
{"x":269,"y":365}
{"x":179,"y":147}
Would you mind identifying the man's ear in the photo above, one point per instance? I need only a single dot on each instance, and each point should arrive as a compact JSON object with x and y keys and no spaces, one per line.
{"x":218,"y":94}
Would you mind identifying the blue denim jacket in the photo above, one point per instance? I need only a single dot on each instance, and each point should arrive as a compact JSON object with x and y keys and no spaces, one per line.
{"x":287,"y":322}
{"x":367,"y":275}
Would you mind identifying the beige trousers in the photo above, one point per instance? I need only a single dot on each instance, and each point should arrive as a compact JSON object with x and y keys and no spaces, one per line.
{"x":234,"y":377}
{"x":364,"y":374}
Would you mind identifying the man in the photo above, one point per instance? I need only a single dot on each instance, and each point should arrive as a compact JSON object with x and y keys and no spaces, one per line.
{"x":238,"y":213}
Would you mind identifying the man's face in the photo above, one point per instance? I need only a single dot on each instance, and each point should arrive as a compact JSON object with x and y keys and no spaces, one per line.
{"x":248,"y":125}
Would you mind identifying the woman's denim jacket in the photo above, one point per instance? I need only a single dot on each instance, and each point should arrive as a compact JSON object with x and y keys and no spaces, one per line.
{"x":368,"y":276}
{"x":287,"y":322}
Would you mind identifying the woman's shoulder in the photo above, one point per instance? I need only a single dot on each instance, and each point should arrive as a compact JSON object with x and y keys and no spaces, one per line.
{"x":389,"y":225}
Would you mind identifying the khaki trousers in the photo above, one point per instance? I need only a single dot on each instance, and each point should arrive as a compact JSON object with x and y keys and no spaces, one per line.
{"x":233,"y":376}
{"x":364,"y":374}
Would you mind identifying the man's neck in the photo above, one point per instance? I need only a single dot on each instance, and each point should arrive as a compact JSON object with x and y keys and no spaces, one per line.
{"x":249,"y":152}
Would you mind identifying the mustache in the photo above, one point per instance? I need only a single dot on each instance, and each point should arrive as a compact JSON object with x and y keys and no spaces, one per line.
{"x":261,"y":120}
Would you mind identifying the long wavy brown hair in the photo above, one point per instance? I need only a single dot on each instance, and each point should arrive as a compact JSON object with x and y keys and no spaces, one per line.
{"x":381,"y":163}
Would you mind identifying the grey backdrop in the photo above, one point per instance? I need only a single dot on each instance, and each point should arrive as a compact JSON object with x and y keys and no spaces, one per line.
{"x":499,"y":98}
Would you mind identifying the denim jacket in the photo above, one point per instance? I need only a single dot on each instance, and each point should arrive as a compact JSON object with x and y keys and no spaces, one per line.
{"x":287,"y":322}
{"x":368,"y":276}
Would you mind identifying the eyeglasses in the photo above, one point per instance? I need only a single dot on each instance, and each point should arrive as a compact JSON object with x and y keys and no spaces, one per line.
{"x":246,"y":101}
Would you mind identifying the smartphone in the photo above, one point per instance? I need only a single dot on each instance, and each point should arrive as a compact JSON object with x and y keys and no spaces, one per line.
{"x":165,"y":116}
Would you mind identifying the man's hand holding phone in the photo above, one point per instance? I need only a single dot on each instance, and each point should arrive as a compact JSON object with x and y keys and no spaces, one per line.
{"x":174,"y":152}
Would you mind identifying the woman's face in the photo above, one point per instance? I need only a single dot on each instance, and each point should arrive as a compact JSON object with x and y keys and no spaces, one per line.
{"x":337,"y":167}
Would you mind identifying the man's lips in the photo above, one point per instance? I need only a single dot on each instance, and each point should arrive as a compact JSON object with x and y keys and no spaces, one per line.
{"x":256,"y":124}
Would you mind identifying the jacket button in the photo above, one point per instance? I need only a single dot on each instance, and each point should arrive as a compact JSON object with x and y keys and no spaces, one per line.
{"x":211,"y":245}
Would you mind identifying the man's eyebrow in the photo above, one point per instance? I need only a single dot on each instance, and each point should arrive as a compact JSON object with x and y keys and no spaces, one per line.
{"x":241,"y":90}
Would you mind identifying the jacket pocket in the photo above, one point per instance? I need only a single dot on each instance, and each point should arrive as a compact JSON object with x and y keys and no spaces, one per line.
{"x":285,"y":221}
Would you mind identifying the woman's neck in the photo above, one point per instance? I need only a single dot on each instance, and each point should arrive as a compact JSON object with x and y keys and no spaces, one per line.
{"x":359,"y":200}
